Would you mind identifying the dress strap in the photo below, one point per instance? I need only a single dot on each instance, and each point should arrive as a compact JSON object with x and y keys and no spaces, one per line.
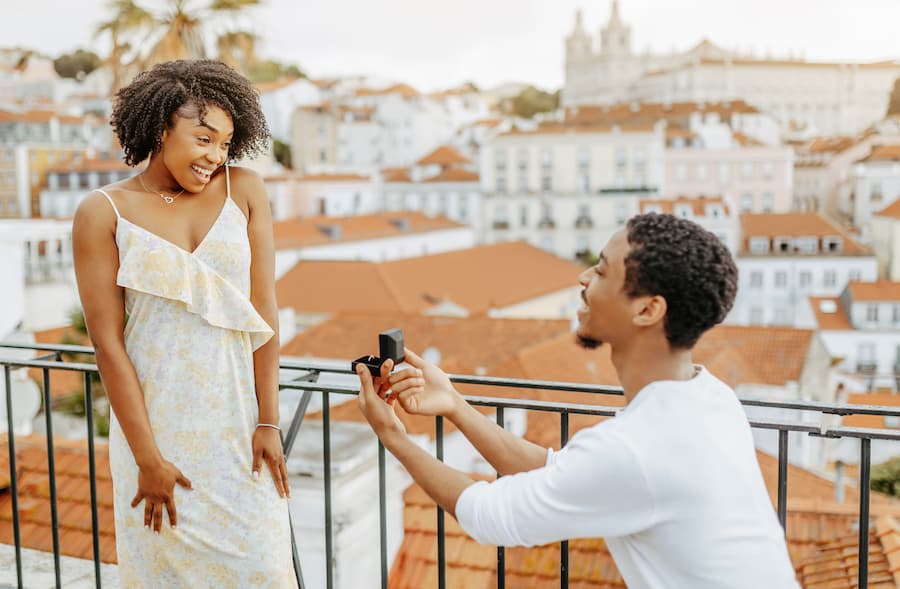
{"x":227,"y":183}
{"x":111,"y":203}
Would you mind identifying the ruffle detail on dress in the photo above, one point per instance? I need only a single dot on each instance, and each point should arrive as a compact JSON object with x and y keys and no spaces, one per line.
{"x":172,"y":273}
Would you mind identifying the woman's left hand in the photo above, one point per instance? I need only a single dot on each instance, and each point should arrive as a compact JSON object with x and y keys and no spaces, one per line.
{"x":267,"y":447}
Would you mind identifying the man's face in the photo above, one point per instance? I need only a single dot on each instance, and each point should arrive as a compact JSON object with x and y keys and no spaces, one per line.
{"x":605,"y":315}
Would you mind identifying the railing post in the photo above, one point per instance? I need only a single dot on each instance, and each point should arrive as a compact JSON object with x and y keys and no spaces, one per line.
{"x":564,"y":545}
{"x":382,"y":514}
{"x":782,"y":478}
{"x":441,"y":531}
{"x":501,"y":551}
{"x":13,"y":483}
{"x":92,"y":467}
{"x":51,"y":473}
{"x":326,"y":459}
{"x":865,"y":466}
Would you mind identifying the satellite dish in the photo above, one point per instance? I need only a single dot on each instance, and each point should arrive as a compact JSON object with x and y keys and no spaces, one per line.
{"x":26,"y":402}
{"x":433,"y":355}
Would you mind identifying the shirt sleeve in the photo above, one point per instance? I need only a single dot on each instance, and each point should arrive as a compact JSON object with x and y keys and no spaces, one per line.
{"x":595,"y":486}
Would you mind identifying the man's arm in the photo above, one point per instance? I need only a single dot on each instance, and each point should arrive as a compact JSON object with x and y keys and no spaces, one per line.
{"x":426,"y":390}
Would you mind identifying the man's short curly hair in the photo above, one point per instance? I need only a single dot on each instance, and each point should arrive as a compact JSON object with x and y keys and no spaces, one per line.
{"x":148,"y":105}
{"x":686,"y":265}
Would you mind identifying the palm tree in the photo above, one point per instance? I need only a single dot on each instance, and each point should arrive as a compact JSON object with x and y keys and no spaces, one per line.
{"x":128,"y":18}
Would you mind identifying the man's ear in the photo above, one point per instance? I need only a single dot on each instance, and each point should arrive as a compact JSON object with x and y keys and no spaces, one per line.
{"x":651,"y":310}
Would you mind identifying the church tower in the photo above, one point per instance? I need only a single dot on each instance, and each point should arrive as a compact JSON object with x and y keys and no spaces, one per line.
{"x":578,"y":44}
{"x":615,"y":37}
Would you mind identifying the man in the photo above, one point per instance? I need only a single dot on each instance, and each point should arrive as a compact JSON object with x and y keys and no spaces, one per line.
{"x":671,"y":482}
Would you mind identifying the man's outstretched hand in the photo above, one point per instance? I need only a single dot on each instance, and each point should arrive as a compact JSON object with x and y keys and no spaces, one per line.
{"x":372,"y":394}
{"x":423,"y":389}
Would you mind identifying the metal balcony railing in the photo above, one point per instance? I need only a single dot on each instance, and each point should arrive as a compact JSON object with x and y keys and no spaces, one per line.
{"x":306,"y":381}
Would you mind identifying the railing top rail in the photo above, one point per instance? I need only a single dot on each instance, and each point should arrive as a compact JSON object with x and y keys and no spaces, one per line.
{"x":344,"y":368}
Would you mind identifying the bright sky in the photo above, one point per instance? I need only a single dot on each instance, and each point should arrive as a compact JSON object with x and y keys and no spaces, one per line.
{"x":432,"y":44}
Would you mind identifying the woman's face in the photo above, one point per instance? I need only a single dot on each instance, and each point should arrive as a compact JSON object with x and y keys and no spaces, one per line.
{"x":194,"y":147}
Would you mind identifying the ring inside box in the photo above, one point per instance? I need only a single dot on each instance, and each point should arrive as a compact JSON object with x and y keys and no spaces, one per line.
{"x":390,"y":345}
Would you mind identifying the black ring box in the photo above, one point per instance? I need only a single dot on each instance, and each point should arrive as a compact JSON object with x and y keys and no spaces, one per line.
{"x":390,"y":345}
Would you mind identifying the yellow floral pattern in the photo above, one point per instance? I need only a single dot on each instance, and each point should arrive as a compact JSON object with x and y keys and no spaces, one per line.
{"x":191,"y":333}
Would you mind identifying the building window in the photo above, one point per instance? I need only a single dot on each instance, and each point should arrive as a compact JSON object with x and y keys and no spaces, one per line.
{"x":768,"y":170}
{"x":584,"y":182}
{"x":832,"y":244}
{"x":804,"y":279}
{"x":768,"y":202}
{"x":829,"y":279}
{"x":546,"y":158}
{"x":872,"y":313}
{"x":759,"y":245}
{"x":875,"y":193}
{"x":464,"y":208}
{"x":702,"y":171}
{"x":684,"y":211}
{"x":854,"y":276}
{"x":501,"y":220}
{"x":747,"y":170}
{"x":621,"y":213}
{"x":681,"y":172}
{"x":523,"y":181}
{"x":547,"y":242}
{"x":724,"y":173}
{"x":807,"y":245}
{"x":782,"y":317}
{"x":897,"y":318}
{"x":780,"y":279}
{"x":756,"y":316}
{"x":501,"y":184}
{"x":756,"y":279}
{"x":746,"y":202}
{"x":546,"y":182}
{"x":500,"y":159}
{"x":523,"y":215}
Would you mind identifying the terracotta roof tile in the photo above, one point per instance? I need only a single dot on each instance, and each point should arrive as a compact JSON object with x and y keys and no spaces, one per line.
{"x":264,"y":87}
{"x":445,"y":155}
{"x":396,"y":175}
{"x":698,"y":204}
{"x":73,"y":498}
{"x":454,"y":175}
{"x":892,"y":210}
{"x":883,"y":153}
{"x":477,"y":279}
{"x":797,"y":224}
{"x":872,"y":421}
{"x":650,"y":112}
{"x":404,"y":90}
{"x":313,"y":231}
{"x":564,"y":128}
{"x":62,"y":382}
{"x":332,"y":178}
{"x":91,"y":165}
{"x":829,"y":313}
{"x":830,"y":144}
{"x":878,"y":291}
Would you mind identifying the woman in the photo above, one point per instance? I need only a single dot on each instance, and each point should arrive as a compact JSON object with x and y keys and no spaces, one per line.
{"x":175,"y":268}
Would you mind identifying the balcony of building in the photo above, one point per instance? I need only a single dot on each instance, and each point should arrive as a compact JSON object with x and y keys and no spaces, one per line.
{"x":56,"y":516}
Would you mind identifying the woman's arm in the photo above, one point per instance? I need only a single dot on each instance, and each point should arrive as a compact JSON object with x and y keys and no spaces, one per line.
{"x":96,"y":266}
{"x":262,"y":295}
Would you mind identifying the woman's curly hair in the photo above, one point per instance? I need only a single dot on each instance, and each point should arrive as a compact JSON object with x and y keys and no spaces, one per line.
{"x":686,"y":265}
{"x":148,"y":105}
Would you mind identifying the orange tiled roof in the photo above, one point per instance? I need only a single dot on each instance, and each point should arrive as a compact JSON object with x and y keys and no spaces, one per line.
{"x":563,"y":128}
{"x":883,"y":153}
{"x":892,"y":210}
{"x":307,"y":232}
{"x":745,"y":140}
{"x":498,"y":342}
{"x":73,"y":496}
{"x":697,"y":204}
{"x":878,"y":291}
{"x":263,"y":87}
{"x":797,"y":224}
{"x":405,"y":90}
{"x":654,"y":111}
{"x":445,"y":155}
{"x":332,"y":178}
{"x":835,"y":564}
{"x":36,"y":116}
{"x":91,"y":165}
{"x":396,"y":175}
{"x":830,"y":144}
{"x":874,"y":421}
{"x":454,"y":175}
{"x":477,"y":279}
{"x":62,"y":382}
{"x":826,"y":318}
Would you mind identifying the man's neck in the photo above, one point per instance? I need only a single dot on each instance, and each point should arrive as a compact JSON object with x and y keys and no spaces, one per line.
{"x":643,"y":363}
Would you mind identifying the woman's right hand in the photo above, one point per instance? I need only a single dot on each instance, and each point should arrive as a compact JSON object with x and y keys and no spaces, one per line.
{"x":156,"y":488}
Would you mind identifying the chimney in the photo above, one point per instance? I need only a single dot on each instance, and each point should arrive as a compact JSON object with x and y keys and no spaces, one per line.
{"x":402,"y":223}
{"x":332,"y":231}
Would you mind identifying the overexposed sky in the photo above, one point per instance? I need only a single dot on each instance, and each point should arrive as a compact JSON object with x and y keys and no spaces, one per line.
{"x":432,"y":44}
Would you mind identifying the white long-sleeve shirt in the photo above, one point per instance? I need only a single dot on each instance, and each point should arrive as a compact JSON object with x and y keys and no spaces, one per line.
{"x":672,"y":483}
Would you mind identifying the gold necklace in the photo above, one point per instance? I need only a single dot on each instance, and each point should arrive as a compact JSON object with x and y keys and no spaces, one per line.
{"x":169,"y":199}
